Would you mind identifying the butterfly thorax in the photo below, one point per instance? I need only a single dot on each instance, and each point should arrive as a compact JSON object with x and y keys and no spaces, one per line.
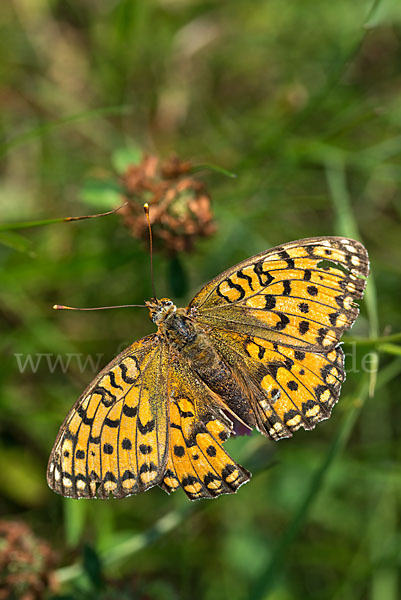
{"x":174,"y":324}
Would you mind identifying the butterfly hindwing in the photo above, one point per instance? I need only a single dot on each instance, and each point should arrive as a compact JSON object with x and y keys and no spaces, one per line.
{"x":197,"y":461}
{"x":287,"y":388}
{"x":114,"y":440}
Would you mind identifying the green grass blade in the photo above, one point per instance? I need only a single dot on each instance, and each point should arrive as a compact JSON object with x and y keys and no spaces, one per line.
{"x":374,"y":341}
{"x":347,"y":226}
{"x":75,"y":513}
{"x":390,"y":349}
{"x":215,"y":168}
{"x":16,"y":242}
{"x":125,"y":549}
{"x":41,"y":130}
{"x":28,"y":224}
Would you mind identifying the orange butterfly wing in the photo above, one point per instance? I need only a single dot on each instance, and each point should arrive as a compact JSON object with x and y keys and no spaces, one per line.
{"x":115,"y":438}
{"x":302,"y":293}
{"x":143,"y":421}
{"x":198,"y":427}
{"x":277,"y":319}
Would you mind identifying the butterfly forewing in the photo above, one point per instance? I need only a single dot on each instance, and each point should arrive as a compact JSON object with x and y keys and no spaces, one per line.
{"x":114,"y":440}
{"x":300,"y":294}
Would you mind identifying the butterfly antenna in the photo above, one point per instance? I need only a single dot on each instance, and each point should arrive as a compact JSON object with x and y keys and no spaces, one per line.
{"x":62,"y":307}
{"x":146,"y":209}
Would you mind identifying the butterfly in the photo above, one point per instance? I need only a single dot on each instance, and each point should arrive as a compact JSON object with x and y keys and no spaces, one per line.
{"x":257,"y":347}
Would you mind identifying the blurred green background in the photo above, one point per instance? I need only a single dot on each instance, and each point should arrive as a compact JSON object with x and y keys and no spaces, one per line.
{"x":302,"y":101}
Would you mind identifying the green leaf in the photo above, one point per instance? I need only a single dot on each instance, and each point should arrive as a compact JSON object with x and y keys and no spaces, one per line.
{"x":75,"y":512}
{"x":383,"y":12}
{"x":101,"y":193}
{"x":24,"y":482}
{"x":92,"y":566}
{"x":390,"y":349}
{"x":123,"y":158}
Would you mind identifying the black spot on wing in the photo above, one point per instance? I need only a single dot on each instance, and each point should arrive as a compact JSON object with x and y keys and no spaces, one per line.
{"x":189,"y":480}
{"x":303,"y":327}
{"x":242,"y":275}
{"x":130,"y":411}
{"x":113,"y":382}
{"x":265,"y":279}
{"x":82,"y":413}
{"x":333,"y":318}
{"x":179,"y":450}
{"x":126,"y":444}
{"x":211,"y":451}
{"x":108,"y":449}
{"x":273,"y":367}
{"x":124,"y":371}
{"x":270,"y":302}
{"x":282,"y":324}
{"x":146,"y":468}
{"x":147,"y":428}
{"x":108,"y":399}
{"x":128,"y":475}
{"x":68,"y":435}
{"x":112,"y":422}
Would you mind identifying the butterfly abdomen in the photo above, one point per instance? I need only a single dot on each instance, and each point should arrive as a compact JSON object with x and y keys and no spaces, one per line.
{"x":220,"y":378}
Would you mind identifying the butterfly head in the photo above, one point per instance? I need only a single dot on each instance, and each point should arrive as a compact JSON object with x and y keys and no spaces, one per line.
{"x":159,"y":310}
